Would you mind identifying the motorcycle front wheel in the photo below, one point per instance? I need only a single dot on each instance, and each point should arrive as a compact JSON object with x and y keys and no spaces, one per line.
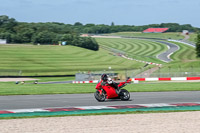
{"x":124,"y":95}
{"x":100,"y":97}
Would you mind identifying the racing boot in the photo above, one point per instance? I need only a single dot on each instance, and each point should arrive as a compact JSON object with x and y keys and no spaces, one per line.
{"x":118,"y":90}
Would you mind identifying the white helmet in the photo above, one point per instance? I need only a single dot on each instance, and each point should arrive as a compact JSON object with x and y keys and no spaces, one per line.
{"x":110,"y":81}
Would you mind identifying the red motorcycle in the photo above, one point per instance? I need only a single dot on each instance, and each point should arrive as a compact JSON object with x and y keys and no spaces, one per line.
{"x":109,"y":92}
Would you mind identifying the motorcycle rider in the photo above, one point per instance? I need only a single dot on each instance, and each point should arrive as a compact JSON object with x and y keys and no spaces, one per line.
{"x":105,"y":79}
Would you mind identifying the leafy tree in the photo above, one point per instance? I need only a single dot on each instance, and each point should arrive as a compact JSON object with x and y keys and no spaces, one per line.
{"x":198,"y":46}
{"x":7,"y":23}
{"x":89,"y":43}
{"x":44,"y":37}
{"x":89,"y":25}
{"x":78,"y":24}
{"x":24,"y":32}
{"x":112,"y":24}
{"x":7,"y":36}
{"x":69,"y":38}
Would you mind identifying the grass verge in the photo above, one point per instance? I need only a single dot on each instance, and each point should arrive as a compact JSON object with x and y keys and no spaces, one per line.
{"x":10,"y":88}
{"x":32,"y":60}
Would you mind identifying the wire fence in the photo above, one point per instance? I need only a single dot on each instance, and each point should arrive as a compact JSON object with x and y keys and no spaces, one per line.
{"x":123,"y":74}
{"x":177,"y":72}
{"x":168,"y":72}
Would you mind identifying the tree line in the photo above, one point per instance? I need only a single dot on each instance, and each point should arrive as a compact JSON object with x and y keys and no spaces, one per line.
{"x":53,"y":32}
{"x":198,"y":45}
{"x":43,"y":33}
{"x":102,"y":28}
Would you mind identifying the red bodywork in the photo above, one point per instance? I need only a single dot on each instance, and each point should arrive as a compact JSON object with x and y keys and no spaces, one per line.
{"x":110,"y":90}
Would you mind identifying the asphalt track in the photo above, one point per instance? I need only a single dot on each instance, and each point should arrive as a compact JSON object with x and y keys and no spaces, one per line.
{"x":74,"y":100}
{"x":165,"y":56}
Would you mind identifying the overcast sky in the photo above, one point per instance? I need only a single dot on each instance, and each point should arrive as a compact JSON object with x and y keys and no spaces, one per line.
{"x":121,"y":12}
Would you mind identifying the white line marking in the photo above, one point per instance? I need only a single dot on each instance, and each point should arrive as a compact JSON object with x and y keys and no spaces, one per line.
{"x":28,"y":110}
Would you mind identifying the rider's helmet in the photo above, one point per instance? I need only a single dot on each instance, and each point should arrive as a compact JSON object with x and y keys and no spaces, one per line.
{"x":110,"y":81}
{"x":104,"y":77}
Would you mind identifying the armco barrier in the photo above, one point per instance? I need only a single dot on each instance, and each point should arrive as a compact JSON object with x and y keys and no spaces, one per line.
{"x":150,"y":63}
{"x":147,"y":79}
{"x":167,"y":79}
{"x":91,"y":81}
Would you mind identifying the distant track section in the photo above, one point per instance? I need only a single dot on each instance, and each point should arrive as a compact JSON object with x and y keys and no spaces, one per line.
{"x":184,"y":42}
{"x":166,"y":55}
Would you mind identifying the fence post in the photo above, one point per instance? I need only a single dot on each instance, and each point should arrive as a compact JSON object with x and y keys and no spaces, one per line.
{"x":126,"y":74}
{"x":20,"y":72}
{"x":169,"y":73}
{"x":180,"y":72}
{"x":191,"y":70}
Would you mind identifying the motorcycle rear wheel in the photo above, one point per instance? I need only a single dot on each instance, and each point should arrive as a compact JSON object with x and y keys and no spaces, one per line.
{"x":100,"y":97}
{"x":124,"y":95}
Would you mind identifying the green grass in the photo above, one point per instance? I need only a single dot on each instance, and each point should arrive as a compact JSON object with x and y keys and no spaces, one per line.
{"x":185,"y":53}
{"x":10,"y":88}
{"x":193,"y":37}
{"x":51,"y":79}
{"x":34,"y":89}
{"x":184,"y":60}
{"x":144,"y":50}
{"x":35,"y":60}
{"x":167,"y":35}
{"x":58,"y":60}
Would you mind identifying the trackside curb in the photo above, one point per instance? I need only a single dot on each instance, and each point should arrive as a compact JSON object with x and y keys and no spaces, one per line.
{"x":99,"y":109}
